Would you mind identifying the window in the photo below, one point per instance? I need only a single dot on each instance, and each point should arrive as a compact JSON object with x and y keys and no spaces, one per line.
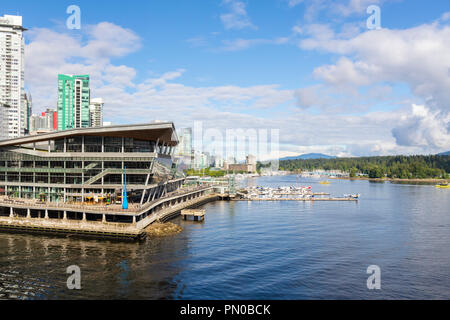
{"x":113,"y":144}
{"x":93,"y":144}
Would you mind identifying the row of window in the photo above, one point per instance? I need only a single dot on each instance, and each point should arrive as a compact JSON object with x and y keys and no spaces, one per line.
{"x":74,"y":164}
{"x":58,"y":178}
{"x":111,"y":144}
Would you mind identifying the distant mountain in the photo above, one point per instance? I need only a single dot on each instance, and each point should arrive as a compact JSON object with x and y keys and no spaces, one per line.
{"x":309,"y":156}
{"x":444,"y":154}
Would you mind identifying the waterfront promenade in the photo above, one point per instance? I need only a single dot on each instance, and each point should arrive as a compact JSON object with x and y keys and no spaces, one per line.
{"x":98,"y":221}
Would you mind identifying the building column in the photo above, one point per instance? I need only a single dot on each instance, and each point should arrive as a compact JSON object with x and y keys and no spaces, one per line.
{"x":28,"y":213}
{"x":104,"y":218}
{"x":46,"y":214}
{"x":11,"y":212}
{"x":65,"y":215}
{"x":84,"y":216}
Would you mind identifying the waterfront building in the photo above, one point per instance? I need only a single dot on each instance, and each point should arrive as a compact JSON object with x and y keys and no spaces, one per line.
{"x":249,"y":166}
{"x":12,"y":74}
{"x":96,"y":113}
{"x":73,"y":181}
{"x":73,"y":102}
{"x":76,"y":166}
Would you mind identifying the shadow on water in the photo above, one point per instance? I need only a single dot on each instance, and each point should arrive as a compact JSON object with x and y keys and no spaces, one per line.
{"x":34,"y":267}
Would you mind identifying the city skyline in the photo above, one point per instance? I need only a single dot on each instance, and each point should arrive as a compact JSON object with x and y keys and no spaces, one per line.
{"x":315,"y":72}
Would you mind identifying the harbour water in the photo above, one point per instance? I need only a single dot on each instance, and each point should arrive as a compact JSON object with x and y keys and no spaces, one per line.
{"x":257,"y":250}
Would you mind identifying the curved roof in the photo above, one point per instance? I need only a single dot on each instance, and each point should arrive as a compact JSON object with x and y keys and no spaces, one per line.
{"x":164,"y":131}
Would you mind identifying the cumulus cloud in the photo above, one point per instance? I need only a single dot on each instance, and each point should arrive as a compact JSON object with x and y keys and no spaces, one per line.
{"x":165,"y":97}
{"x":49,"y":53}
{"x":418,"y":56}
{"x":424,"y":128}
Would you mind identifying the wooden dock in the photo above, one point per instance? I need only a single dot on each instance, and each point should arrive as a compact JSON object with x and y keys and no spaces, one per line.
{"x":193,"y":214}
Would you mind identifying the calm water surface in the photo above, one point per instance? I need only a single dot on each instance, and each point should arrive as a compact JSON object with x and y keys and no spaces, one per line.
{"x":257,"y":250}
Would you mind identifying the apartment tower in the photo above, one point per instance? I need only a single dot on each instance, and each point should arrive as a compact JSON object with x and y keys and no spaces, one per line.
{"x":73,"y":101}
{"x":12,"y":73}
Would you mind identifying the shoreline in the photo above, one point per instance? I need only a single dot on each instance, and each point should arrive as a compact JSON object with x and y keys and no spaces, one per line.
{"x":427,"y":180}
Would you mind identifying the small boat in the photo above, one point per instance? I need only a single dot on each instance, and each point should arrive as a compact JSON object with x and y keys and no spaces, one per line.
{"x":354,"y":196}
{"x":443,"y":186}
{"x":324,"y":182}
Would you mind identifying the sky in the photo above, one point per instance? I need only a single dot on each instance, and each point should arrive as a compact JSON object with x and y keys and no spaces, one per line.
{"x":311,"y":70}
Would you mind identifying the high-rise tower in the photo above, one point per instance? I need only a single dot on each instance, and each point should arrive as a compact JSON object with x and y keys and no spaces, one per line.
{"x":73,"y":101}
{"x":12,"y":73}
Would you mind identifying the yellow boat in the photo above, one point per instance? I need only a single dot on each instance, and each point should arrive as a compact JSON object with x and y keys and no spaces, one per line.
{"x":443,"y":186}
{"x":324,"y":182}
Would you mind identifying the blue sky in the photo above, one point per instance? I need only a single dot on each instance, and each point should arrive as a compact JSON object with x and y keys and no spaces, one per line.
{"x":308,"y":68}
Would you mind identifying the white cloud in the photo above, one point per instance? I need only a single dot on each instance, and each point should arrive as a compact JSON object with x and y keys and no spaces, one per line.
{"x":424,"y":128}
{"x":237,"y":17}
{"x":165,"y":97}
{"x":335,"y":8}
{"x":49,"y":53}
{"x":418,"y":56}
{"x":242,"y":44}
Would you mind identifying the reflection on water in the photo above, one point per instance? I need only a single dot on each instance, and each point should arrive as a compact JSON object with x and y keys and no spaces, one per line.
{"x":257,"y":250}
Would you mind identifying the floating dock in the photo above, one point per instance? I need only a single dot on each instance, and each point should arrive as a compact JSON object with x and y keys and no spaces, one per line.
{"x":298,"y":199}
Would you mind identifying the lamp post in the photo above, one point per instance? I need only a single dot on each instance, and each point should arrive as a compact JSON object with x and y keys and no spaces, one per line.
{"x":125,"y":198}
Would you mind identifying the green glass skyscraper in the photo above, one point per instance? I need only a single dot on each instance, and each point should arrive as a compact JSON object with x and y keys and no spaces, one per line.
{"x":73,"y":101}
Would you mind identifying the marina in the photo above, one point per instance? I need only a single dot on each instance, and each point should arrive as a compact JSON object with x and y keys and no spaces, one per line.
{"x":290,"y":193}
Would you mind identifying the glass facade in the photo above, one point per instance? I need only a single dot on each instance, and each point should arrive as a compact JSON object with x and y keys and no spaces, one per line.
{"x":85,"y":169}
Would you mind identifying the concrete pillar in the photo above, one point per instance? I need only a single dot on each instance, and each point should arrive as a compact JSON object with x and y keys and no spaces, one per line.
{"x":46,"y":214}
{"x":134,"y":219}
{"x":28,"y":214}
{"x":84,"y":216}
{"x":104,"y":218}
{"x":65,"y":215}
{"x":11,"y":212}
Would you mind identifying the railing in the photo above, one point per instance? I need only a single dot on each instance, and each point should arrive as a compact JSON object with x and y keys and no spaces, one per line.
{"x":132,"y":209}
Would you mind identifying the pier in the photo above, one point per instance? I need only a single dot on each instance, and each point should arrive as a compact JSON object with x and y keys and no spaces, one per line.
{"x":110,"y":222}
{"x":196,"y":215}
